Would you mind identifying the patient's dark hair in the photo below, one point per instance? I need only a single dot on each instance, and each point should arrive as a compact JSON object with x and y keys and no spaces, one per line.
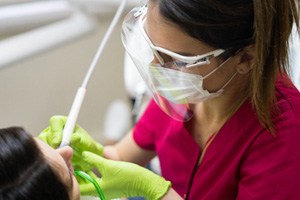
{"x":24,"y":173}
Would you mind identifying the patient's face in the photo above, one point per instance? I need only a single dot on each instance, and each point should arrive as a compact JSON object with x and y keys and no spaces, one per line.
{"x":60,"y":160}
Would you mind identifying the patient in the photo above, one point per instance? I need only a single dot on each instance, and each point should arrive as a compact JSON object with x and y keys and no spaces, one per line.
{"x":31,"y":170}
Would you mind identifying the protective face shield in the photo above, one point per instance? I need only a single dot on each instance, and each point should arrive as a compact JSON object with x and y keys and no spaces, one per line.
{"x":173,"y":85}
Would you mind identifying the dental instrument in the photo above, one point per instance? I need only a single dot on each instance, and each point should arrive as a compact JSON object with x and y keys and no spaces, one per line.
{"x":87,"y":177}
{"x":72,"y":117}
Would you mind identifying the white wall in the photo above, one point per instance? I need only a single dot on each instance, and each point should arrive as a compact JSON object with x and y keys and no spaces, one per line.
{"x":295,"y":58}
{"x":37,"y":88}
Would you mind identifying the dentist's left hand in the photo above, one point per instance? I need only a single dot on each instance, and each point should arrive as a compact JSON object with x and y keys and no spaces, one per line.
{"x":80,"y":140}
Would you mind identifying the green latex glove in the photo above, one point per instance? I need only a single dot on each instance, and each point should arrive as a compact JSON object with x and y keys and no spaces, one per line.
{"x":80,"y":140}
{"x":123,"y":179}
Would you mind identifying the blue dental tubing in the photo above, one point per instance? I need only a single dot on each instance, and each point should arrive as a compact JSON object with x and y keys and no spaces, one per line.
{"x":78,"y":100}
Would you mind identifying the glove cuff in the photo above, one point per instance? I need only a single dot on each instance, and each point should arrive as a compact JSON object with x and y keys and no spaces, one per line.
{"x":159,"y":188}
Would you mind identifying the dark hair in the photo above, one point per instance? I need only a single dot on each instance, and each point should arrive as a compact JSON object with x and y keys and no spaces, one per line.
{"x":266,"y":24}
{"x":24,"y":173}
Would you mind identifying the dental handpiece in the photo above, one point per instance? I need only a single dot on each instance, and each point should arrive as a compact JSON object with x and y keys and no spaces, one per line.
{"x":78,"y":100}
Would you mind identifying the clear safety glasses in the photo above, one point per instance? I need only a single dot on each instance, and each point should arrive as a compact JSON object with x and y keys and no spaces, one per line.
{"x":171,"y":59}
{"x":147,"y":57}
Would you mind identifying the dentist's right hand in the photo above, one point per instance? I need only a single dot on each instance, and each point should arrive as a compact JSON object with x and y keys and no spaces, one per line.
{"x":80,"y":139}
{"x":123,"y":179}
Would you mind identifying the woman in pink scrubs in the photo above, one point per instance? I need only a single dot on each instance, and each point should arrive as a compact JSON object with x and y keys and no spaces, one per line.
{"x":225,"y":117}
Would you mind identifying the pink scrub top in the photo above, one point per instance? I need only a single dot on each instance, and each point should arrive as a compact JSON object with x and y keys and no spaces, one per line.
{"x":244,"y":161}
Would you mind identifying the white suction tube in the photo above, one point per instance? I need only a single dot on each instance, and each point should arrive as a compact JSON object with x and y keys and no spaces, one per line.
{"x":74,"y":112}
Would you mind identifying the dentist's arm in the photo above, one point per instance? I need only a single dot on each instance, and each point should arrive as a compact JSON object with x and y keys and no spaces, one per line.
{"x":127,"y":150}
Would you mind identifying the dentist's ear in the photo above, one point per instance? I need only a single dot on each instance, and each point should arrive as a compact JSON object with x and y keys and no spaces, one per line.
{"x":246,"y":61}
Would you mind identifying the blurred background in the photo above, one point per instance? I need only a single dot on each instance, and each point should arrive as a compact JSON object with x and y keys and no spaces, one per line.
{"x":46,"y":48}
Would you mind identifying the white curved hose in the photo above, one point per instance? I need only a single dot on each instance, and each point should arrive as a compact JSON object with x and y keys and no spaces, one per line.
{"x":72,"y":117}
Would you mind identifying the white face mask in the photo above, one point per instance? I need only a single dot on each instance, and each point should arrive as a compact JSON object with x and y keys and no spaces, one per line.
{"x":181,"y":87}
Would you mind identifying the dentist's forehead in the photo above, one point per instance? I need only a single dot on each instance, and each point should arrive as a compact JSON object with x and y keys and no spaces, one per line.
{"x":168,"y":35}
